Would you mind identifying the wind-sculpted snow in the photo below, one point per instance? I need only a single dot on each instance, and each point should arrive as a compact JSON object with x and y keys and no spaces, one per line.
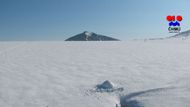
{"x":62,"y":74}
{"x":128,"y":101}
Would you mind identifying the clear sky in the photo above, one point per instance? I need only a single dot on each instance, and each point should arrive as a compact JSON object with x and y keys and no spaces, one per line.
{"x":60,"y":19}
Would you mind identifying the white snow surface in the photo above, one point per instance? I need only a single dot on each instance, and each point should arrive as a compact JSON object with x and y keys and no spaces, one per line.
{"x":88,"y":33}
{"x":64,"y":74}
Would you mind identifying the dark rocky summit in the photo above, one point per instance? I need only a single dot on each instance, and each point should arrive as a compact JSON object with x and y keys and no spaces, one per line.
{"x":90,"y":36}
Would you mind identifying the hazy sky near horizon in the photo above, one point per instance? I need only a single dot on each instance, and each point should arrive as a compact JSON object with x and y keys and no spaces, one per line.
{"x":60,"y":19}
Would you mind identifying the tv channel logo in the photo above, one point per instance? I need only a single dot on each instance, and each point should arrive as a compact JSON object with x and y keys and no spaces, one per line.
{"x":174,"y":23}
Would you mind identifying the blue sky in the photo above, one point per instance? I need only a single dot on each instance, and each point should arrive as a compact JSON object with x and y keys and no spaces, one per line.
{"x":60,"y":19}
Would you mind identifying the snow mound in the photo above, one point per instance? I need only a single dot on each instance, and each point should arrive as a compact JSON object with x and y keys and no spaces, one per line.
{"x":107,"y":86}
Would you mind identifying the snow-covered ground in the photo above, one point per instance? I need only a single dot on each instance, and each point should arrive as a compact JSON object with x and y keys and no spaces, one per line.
{"x":64,"y":74}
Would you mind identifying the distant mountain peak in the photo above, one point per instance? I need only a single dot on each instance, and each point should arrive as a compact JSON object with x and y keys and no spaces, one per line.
{"x":182,"y":34}
{"x":90,"y":36}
